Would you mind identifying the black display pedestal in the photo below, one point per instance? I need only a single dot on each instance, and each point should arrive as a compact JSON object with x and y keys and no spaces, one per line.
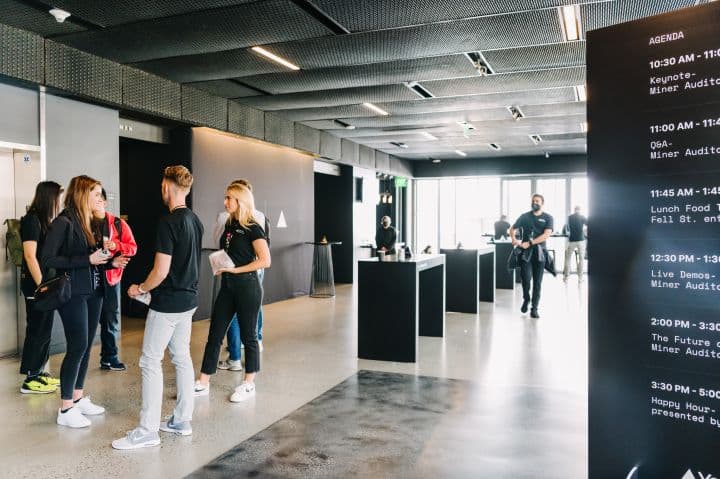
{"x":397,"y":301}
{"x":470,"y":278}
{"x":504,"y":279}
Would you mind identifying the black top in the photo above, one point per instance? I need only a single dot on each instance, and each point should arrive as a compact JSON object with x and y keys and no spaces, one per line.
{"x":533,"y":226}
{"x":31,"y":230}
{"x":179,"y":234}
{"x":386,"y":237}
{"x":66,"y":250}
{"x":576,"y":221}
{"x":501,"y":228}
{"x":237,"y":242}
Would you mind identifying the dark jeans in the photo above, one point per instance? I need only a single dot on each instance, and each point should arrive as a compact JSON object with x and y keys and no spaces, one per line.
{"x":240,"y":294}
{"x":534,"y":270}
{"x":80,"y":317}
{"x":37,"y":339}
{"x":110,"y":324}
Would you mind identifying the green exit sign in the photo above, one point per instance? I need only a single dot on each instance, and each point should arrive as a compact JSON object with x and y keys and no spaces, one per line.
{"x":400,"y":182}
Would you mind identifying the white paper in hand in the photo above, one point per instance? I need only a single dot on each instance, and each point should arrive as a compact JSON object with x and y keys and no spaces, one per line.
{"x":219,"y":260}
{"x":143,"y":298}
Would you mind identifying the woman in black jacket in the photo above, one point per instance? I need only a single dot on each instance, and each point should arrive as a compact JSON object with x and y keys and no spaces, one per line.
{"x":33,"y":230}
{"x":71,"y":248}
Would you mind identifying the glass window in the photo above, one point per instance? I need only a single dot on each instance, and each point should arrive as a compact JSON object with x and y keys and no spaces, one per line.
{"x":427,"y":215}
{"x":579,"y":194}
{"x":517,"y":198}
{"x":553,"y":190}
{"x":447,"y":214}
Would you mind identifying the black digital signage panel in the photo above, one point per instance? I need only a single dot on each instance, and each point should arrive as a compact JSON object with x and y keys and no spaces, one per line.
{"x":654,"y":247}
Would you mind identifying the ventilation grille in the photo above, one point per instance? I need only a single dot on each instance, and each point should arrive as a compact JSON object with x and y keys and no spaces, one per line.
{"x":203,"y":108}
{"x":21,"y":54}
{"x":146,"y":92}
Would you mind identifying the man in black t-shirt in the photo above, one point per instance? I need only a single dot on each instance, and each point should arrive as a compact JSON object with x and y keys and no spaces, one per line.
{"x":501,"y":227}
{"x":386,"y":236}
{"x":174,"y":285}
{"x":534,"y":227}
{"x":576,"y":243}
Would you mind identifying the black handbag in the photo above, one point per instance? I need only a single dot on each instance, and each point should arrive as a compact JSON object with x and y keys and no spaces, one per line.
{"x":54,"y":293}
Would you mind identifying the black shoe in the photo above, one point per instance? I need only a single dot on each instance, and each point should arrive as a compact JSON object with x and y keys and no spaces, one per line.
{"x":112,"y":365}
{"x":523,"y":308}
{"x":534,"y":313}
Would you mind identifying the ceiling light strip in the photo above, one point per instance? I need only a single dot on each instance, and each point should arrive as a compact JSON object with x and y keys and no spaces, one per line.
{"x":570,"y":22}
{"x":275,"y":58}
{"x":375,"y":108}
{"x":460,"y":153}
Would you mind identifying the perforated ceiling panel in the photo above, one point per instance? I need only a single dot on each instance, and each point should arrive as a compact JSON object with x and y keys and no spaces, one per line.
{"x":206,"y":31}
{"x":504,"y":31}
{"x":604,"y":14}
{"x":381,"y":14}
{"x":330,"y":97}
{"x":125,"y":11}
{"x":364,"y":75}
{"x":150,"y":93}
{"x":203,"y":108}
{"x":18,"y":14}
{"x":306,"y":138}
{"x":557,"y":109}
{"x":330,"y":146}
{"x":561,"y":77}
{"x":225,"y":88}
{"x":81,"y":73}
{"x":211,"y":66}
{"x":246,"y":121}
{"x":538,"y":57}
{"x":279,"y":130}
{"x":22,"y":54}
{"x":344,"y":111}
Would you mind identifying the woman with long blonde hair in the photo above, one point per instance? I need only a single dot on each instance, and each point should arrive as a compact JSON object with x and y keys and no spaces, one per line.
{"x":240,"y":292}
{"x":71,"y":248}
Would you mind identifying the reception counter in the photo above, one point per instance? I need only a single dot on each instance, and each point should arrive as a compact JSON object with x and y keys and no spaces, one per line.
{"x":470,"y":278}
{"x":397,"y":301}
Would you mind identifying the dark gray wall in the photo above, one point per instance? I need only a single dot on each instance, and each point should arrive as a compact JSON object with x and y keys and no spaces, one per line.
{"x":282,"y":180}
{"x":517,"y":165}
{"x":334,"y":200}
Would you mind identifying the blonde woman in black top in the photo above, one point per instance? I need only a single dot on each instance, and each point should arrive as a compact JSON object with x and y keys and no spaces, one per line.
{"x":240,"y":291}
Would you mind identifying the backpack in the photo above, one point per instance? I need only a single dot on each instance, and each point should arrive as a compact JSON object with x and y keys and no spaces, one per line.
{"x":13,"y":242}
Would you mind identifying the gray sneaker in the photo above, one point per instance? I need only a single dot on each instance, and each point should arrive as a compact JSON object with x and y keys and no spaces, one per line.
{"x":136,"y":439}
{"x":231,"y":365}
{"x":180,"y":428}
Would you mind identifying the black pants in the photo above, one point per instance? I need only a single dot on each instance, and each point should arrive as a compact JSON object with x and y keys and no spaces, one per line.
{"x":37,"y":339}
{"x":532,"y":270}
{"x":239,"y":294}
{"x":80,"y":317}
{"x":110,"y":324}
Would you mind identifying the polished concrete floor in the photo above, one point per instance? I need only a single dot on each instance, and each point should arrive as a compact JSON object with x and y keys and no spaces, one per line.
{"x":526,"y":378}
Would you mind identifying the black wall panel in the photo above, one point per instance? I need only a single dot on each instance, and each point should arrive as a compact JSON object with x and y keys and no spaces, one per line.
{"x":334,"y":200}
{"x":246,"y":121}
{"x":83,"y":74}
{"x":203,"y":108}
{"x":150,"y":93}
{"x":22,"y":54}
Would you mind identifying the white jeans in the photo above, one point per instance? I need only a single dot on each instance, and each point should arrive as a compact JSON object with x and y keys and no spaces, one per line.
{"x":573,"y":246}
{"x":163,"y":330}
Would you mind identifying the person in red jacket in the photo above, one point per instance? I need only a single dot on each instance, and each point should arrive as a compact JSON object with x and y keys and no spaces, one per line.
{"x":117,"y":238}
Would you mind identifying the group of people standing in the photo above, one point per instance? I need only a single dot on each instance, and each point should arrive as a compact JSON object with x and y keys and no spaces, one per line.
{"x":92,"y":247}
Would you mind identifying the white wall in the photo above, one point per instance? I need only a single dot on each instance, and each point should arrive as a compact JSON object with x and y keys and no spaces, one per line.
{"x":19,"y":115}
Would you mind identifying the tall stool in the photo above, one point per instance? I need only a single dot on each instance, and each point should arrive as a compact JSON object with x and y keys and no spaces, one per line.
{"x":322,"y":279}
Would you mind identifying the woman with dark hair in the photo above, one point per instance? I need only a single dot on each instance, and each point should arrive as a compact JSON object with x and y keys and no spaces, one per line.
{"x":33,"y":230}
{"x":71,"y":248}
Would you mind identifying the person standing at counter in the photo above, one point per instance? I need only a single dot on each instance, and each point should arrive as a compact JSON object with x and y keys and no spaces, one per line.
{"x":501,"y":227}
{"x":534,"y":227}
{"x":577,"y":226}
{"x":386,"y":236}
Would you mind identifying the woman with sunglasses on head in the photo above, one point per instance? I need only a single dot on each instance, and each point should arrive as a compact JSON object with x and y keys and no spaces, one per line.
{"x":71,"y":248}
{"x":240,"y":291}
{"x":33,"y":230}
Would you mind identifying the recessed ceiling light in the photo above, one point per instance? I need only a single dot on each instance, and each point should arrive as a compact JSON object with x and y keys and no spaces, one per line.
{"x":399,"y":144}
{"x":275,"y":58}
{"x":570,"y":22}
{"x":547,"y":154}
{"x":461,"y":153}
{"x":419,"y":90}
{"x":580,"y":93}
{"x":480,"y":63}
{"x":494,"y":146}
{"x":584,"y":127}
{"x":375,"y":108}
{"x":535,"y":139}
{"x":515,"y":112}
{"x":60,"y":15}
{"x":343,"y":124}
{"x":428,"y":135}
{"x":435,"y":160}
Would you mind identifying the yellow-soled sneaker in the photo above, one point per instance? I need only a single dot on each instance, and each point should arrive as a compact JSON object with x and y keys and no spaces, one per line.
{"x":49,"y":379}
{"x":37,"y":385}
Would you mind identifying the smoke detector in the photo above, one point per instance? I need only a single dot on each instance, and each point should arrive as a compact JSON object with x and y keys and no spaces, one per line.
{"x":60,"y":15}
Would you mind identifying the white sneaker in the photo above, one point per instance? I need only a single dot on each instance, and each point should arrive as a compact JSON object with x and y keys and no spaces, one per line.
{"x":201,"y":389}
{"x":88,"y":408}
{"x":180,"y":428}
{"x":243,"y":392}
{"x":136,"y":439}
{"x":72,"y":418}
{"x":232,"y":365}
{"x":260,"y":346}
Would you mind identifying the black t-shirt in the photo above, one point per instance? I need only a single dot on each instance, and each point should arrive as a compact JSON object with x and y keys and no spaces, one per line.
{"x":31,"y":230}
{"x":533,"y":226}
{"x":501,"y":228}
{"x":576,"y":221}
{"x":237,"y":242}
{"x":179,"y":235}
